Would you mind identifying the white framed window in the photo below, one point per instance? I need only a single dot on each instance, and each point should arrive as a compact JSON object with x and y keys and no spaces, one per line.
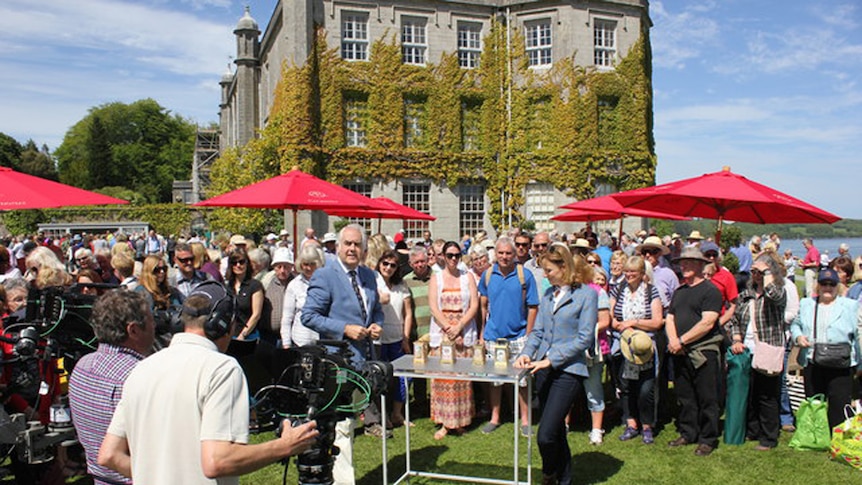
{"x":354,"y":36}
{"x":471,"y":209}
{"x":604,"y":42}
{"x":355,"y":116}
{"x":417,"y":196}
{"x":539,"y":42}
{"x":363,"y":188}
{"x":469,"y":44}
{"x":539,"y":204}
{"x":414,"y":42}
{"x":414,"y":114}
{"x":471,"y":124}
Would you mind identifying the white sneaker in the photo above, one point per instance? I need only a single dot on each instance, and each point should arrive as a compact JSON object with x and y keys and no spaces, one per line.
{"x":596,"y":436}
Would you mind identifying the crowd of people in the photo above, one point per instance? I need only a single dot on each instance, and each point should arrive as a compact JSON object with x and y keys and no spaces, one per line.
{"x":589,"y":315}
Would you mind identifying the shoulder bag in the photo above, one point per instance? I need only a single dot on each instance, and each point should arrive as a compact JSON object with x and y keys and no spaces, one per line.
{"x":834,"y":356}
{"x":768,"y":359}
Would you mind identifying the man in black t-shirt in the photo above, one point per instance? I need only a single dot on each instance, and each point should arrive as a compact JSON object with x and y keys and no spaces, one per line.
{"x":694,"y":342}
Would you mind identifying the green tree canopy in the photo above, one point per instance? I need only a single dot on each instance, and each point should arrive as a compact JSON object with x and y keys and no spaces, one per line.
{"x":10,"y":151}
{"x":38,"y":162}
{"x":140,"y":146}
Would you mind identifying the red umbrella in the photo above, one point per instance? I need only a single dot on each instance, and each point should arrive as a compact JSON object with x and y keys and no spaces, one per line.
{"x":386,"y":209}
{"x":725,"y":195}
{"x":21,"y":191}
{"x":294,"y":190}
{"x":606,"y":208}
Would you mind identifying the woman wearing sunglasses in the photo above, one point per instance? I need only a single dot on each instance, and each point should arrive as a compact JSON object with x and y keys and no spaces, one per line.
{"x":397,"y":323}
{"x":162,"y":297}
{"x":556,"y":354}
{"x":248,"y":293}
{"x":828,"y":318}
{"x":454,"y":302}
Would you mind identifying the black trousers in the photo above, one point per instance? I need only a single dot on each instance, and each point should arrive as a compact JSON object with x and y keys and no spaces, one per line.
{"x":697,"y":393}
{"x":763,"y":408}
{"x":557,"y":391}
{"x":835,"y":384}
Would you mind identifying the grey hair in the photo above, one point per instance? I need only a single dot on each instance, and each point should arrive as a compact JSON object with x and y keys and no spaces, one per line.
{"x":83,"y":252}
{"x":260,"y":256}
{"x":775,"y":267}
{"x":477,"y":251}
{"x":417,"y":250}
{"x":355,"y":227}
{"x":506,"y":241}
{"x":15,"y":284}
{"x":311,"y":254}
{"x":114,"y":310}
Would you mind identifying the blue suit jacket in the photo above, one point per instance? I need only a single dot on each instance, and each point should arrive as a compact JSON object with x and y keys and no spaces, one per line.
{"x":331,"y":304}
{"x":564,"y":334}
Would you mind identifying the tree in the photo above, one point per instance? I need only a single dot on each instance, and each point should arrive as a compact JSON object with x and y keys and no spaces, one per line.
{"x":138,"y":146}
{"x":10,"y":151}
{"x":38,"y":162}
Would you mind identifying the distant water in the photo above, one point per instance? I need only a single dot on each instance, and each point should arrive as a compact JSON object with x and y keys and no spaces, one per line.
{"x":823,"y":245}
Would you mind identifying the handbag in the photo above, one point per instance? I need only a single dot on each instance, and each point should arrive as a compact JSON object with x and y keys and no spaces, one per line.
{"x":812,"y":425}
{"x":834,"y":356}
{"x":768,"y":359}
{"x":847,"y":441}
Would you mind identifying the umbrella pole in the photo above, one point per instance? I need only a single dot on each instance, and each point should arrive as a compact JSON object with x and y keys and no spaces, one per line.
{"x":718,"y":232}
{"x":620,"y":234}
{"x":295,"y":241}
{"x":379,"y":220}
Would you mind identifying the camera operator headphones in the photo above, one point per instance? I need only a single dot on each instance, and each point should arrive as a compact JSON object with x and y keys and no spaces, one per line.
{"x":220,"y":311}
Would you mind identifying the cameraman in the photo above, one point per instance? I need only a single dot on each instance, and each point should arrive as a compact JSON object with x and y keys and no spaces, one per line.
{"x":184,"y":413}
{"x":124,"y":326}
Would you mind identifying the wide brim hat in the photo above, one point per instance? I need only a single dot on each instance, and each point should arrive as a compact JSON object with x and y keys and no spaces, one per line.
{"x":237,"y":239}
{"x":282,"y":255}
{"x":329,"y":237}
{"x":653,"y":242}
{"x":695,"y":235}
{"x":283,"y":232}
{"x":692,"y":253}
{"x":581,"y":243}
{"x":636,"y":346}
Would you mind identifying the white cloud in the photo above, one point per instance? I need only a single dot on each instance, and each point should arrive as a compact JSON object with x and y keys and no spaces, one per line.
{"x":843,"y":16}
{"x":679,"y":37}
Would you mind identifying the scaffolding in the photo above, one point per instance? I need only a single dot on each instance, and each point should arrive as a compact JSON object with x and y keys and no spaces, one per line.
{"x":206,"y":152}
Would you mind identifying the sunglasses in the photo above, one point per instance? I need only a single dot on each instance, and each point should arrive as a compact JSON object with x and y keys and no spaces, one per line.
{"x":651,"y":251}
{"x":388,"y":264}
{"x":453,"y":255}
{"x":540,"y":245}
{"x":239,"y":262}
{"x":756,"y":272}
{"x":186,"y":260}
{"x":828,"y":284}
{"x":522,"y":245}
{"x":592,"y":261}
{"x":80,"y":260}
{"x":160,"y":269}
{"x":711,"y":254}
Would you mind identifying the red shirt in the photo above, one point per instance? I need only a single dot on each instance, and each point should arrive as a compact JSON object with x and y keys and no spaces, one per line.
{"x":726,"y":284}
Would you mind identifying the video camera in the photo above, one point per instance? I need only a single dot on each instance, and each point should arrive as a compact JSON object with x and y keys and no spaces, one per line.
{"x":55,"y":324}
{"x":316,"y":384}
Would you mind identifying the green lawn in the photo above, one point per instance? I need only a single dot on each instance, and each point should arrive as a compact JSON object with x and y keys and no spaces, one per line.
{"x":632,"y":462}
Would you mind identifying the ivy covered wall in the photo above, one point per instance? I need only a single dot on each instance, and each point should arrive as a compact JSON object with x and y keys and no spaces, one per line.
{"x":573,"y":127}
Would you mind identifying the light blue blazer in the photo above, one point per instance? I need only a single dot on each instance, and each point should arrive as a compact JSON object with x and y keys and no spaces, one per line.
{"x":331,"y":304}
{"x":843,"y":326}
{"x":564,"y":334}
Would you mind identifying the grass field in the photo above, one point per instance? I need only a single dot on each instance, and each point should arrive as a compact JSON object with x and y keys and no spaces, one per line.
{"x":613,"y":462}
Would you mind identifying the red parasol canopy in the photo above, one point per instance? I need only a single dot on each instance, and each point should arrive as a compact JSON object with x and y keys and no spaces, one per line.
{"x":725,"y":195}
{"x":607,"y":204}
{"x":295,"y":191}
{"x":21,"y":191}
{"x":386,"y":209}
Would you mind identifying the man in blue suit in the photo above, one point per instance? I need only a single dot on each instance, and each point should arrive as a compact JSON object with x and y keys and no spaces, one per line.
{"x":343,"y":304}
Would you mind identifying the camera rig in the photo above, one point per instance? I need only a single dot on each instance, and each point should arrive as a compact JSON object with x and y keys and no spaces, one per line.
{"x":55,"y":325}
{"x":319,"y":382}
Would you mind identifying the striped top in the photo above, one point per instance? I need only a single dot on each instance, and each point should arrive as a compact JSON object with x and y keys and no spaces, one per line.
{"x":95,"y":388}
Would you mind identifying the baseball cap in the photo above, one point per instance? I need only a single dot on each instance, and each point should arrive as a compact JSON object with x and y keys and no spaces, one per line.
{"x":329,"y":237}
{"x":828,"y":275}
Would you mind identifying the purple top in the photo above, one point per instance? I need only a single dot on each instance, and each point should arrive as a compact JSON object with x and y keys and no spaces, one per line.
{"x":95,"y":388}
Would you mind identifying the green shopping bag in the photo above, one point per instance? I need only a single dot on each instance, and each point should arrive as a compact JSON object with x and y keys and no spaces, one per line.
{"x":847,"y":442}
{"x":738,"y":375}
{"x":812,"y":425}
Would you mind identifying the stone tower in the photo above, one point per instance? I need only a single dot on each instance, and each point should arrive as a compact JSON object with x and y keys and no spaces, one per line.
{"x":247,"y":77}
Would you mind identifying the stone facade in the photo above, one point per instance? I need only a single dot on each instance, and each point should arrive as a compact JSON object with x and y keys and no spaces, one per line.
{"x":566,"y":29}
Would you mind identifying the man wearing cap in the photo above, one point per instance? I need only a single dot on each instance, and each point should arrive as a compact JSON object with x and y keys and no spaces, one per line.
{"x":124,"y":327}
{"x":581,"y":246}
{"x":329,"y":240}
{"x":184,"y":414}
{"x":342,"y":304}
{"x":695,"y":342}
{"x":694,"y":238}
{"x":663,"y":278}
{"x":283,"y":238}
{"x":282,"y":267}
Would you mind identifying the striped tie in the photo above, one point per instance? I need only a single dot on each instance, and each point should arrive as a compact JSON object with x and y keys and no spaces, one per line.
{"x":358,"y":292}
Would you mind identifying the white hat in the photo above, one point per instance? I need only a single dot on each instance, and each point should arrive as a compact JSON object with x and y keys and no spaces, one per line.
{"x":284,"y":232}
{"x":237,"y":239}
{"x":329,"y":237}
{"x":271,"y":237}
{"x":282,"y":255}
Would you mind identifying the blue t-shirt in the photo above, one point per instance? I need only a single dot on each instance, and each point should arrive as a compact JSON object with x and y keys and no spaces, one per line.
{"x":507,"y":313}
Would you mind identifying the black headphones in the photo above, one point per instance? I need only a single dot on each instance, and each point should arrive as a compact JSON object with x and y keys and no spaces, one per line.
{"x":220,"y":311}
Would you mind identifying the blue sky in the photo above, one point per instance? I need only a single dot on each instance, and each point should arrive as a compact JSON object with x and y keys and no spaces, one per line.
{"x":770,"y":88}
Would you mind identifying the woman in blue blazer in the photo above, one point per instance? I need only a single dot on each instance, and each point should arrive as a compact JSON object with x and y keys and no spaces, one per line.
{"x":837,"y":322}
{"x":556,"y":354}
